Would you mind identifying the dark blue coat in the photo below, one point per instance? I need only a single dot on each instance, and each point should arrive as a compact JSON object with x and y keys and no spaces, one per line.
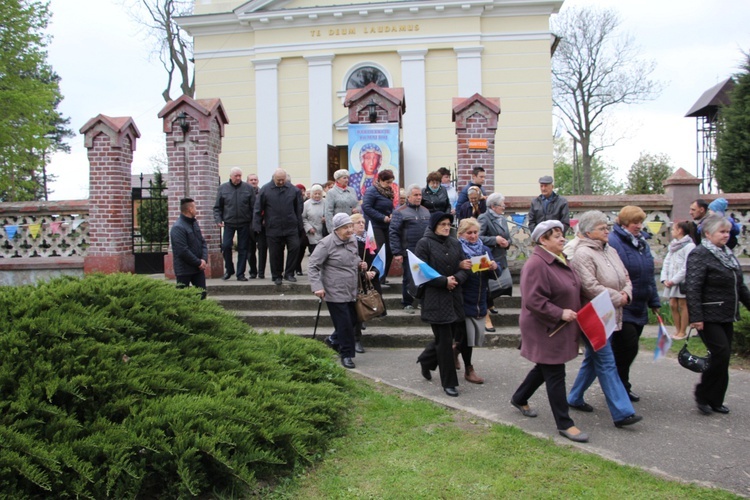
{"x":376,"y":207}
{"x":188,"y":246}
{"x":640,"y":266}
{"x":475,"y":291}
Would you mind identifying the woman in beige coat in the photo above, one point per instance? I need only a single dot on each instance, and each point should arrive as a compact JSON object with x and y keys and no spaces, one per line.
{"x":600,"y":269}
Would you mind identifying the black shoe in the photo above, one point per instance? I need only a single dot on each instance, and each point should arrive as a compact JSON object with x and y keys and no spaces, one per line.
{"x":241,"y":278}
{"x":704,"y":408}
{"x":331,"y":344}
{"x":634,"y":397}
{"x":585,"y":407}
{"x":491,"y":330}
{"x":526,"y":413}
{"x":720,"y":409}
{"x":451,"y":391}
{"x":632,"y":419}
{"x":298,"y":273}
{"x":347,"y":363}
{"x":425,"y":371}
{"x":261,"y":276}
{"x":277,"y":281}
{"x":253,"y":276}
{"x":227,"y":276}
{"x":358,"y":347}
{"x":291,"y":278}
{"x":494,"y":311}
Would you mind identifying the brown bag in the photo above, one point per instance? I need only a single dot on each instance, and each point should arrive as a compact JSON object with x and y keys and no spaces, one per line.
{"x":369,"y":303}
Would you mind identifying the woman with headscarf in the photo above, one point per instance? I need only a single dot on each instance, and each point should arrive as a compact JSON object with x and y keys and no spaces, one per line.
{"x":341,"y":198}
{"x":549,"y":333}
{"x":673,"y":275}
{"x":600,"y":270}
{"x":715,"y":288}
{"x":476,"y":205}
{"x":475,"y":290}
{"x":332,"y":270}
{"x":434,"y":195}
{"x":630,"y":242}
{"x":442,"y":303}
{"x":370,"y":159}
{"x":377,"y":207}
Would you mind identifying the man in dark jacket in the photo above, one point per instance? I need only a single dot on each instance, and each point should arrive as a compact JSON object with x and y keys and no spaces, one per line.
{"x":256,"y":244}
{"x":548,"y":205}
{"x":278,"y":211}
{"x":233,"y":211}
{"x":478,"y":176}
{"x":698,"y":211}
{"x":189,"y":249}
{"x":407,"y":228}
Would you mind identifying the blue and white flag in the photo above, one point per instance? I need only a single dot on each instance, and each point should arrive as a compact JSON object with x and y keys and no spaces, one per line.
{"x":663,"y":341}
{"x":421,"y":272}
{"x":379,"y":261}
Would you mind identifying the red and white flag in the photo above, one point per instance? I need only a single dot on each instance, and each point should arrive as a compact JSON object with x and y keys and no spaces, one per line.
{"x":370,"y":243}
{"x":598,"y":320}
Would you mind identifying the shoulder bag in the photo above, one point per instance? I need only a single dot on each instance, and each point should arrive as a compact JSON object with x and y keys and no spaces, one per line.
{"x":369,"y":303}
{"x":692,"y":362}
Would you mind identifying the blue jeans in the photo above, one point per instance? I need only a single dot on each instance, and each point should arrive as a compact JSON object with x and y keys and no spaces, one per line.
{"x":601,"y":364}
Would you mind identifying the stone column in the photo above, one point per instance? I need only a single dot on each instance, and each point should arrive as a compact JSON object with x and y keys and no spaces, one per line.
{"x":684,"y":188}
{"x":320,"y":101}
{"x":267,"y":117}
{"x":476,"y":126}
{"x":414,"y":79}
{"x":194,"y":128}
{"x":110,"y":143}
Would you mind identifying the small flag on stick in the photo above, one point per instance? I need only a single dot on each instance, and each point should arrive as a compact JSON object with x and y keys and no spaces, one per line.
{"x":597,"y":320}
{"x":379,"y":261}
{"x":370,"y":243}
{"x":421,"y":272}
{"x":663,"y":341}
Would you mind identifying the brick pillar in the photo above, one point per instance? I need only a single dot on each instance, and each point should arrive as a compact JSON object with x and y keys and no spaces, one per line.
{"x":476,"y":126}
{"x":110,"y":143}
{"x":193,"y":155}
{"x":684,"y":188}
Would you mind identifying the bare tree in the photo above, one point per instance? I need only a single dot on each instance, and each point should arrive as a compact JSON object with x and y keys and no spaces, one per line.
{"x":594,"y":69}
{"x":174,"y":46}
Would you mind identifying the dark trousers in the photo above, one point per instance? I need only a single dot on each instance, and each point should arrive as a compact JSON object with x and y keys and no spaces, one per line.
{"x":381,"y":238}
{"x":243,"y":236}
{"x":276,"y":246}
{"x":197,"y":280}
{"x":344,"y":318}
{"x":406,"y":298}
{"x":554,"y":377}
{"x":252,"y":248}
{"x":439,"y":354}
{"x":262,"y":244}
{"x":462,"y":345}
{"x":303,"y":244}
{"x":714,"y":382}
{"x":625,"y":348}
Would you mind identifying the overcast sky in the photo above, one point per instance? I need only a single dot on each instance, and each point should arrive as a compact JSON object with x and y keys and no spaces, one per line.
{"x":105,"y":65}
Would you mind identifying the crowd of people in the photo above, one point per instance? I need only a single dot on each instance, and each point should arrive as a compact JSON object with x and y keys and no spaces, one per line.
{"x":463,"y":236}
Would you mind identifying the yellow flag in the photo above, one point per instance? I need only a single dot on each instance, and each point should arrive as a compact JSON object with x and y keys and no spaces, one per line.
{"x":34,"y":230}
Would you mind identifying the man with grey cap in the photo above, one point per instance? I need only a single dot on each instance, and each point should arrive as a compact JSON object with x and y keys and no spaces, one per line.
{"x":548,"y":205}
{"x":332,"y":269}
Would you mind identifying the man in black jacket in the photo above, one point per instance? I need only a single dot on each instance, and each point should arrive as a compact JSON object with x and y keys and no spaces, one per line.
{"x":189,"y":249}
{"x":278,"y":211}
{"x":233,"y":211}
{"x":548,"y":205}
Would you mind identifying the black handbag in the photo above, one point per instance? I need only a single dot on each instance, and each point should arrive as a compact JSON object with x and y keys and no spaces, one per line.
{"x":692,"y":362}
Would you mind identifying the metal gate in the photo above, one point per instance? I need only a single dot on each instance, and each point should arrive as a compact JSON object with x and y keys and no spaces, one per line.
{"x":150,"y":225}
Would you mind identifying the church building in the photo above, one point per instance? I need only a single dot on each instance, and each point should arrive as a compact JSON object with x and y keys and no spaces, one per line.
{"x":282,"y":69}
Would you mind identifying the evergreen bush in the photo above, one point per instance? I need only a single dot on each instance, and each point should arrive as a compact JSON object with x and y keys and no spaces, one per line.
{"x":741,"y":339}
{"x":123,"y":386}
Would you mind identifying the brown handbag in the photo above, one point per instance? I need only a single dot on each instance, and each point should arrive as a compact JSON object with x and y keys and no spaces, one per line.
{"x":369,"y":303}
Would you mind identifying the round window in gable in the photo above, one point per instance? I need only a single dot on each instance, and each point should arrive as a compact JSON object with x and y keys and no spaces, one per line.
{"x":365,"y":76}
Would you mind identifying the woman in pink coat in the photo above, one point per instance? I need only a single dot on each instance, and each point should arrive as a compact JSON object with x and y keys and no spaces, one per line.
{"x":550,"y":297}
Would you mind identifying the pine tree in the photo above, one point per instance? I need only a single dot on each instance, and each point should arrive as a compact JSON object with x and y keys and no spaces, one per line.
{"x":733,"y":138}
{"x":648,"y":173}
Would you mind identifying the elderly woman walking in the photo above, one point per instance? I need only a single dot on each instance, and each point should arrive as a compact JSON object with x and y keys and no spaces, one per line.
{"x":715,"y":289}
{"x":600,"y":269}
{"x":631,"y":245}
{"x":443,"y":303}
{"x":332,"y":270}
{"x":549,"y":334}
{"x":341,"y":198}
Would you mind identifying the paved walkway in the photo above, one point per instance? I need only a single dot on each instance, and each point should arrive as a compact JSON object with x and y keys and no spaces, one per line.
{"x":673,"y":439}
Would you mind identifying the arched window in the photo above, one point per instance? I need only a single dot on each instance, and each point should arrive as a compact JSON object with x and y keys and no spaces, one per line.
{"x":365,"y":75}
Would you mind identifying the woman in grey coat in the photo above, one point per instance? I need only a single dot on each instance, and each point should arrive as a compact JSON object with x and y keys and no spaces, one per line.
{"x":332,"y":270}
{"x":341,"y":198}
{"x":494,"y":232}
{"x":313,"y":216}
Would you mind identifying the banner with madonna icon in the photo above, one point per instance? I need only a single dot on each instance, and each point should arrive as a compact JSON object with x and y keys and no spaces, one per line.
{"x":373,"y":147}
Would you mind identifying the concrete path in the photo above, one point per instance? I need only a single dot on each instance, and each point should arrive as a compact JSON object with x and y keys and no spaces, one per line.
{"x":673,"y":440}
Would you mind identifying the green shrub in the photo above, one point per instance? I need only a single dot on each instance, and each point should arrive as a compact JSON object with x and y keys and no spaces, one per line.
{"x":123,"y":386}
{"x":741,"y":339}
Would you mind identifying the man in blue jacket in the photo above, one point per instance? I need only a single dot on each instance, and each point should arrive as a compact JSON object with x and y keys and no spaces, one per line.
{"x":189,"y":249}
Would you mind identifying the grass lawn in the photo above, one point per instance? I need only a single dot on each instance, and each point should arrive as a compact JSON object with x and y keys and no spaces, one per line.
{"x":400,"y":446}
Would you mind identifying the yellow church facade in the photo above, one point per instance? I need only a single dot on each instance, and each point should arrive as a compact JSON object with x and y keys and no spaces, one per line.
{"x":282,"y":68}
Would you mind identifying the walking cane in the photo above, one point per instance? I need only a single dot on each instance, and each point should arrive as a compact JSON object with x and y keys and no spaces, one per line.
{"x":317,"y":318}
